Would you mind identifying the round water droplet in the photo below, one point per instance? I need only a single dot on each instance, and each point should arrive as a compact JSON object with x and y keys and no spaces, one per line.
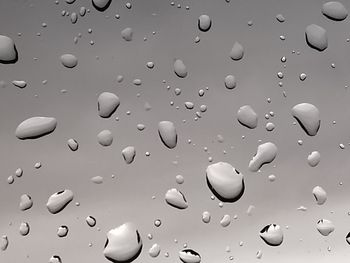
{"x":206,"y":217}
{"x":4,"y":242}
{"x":105,"y":138}
{"x":179,"y":179}
{"x":180,"y":68}
{"x":101,"y":5}
{"x":230,"y":82}
{"x":124,"y":244}
{"x":157,"y":223}
{"x":69,"y":60}
{"x":19,"y":172}
{"x":237,"y":51}
{"x":225,"y":182}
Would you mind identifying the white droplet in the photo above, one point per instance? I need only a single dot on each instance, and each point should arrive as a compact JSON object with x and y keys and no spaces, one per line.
{"x":206,"y":217}
{"x":180,"y":68}
{"x":58,"y":201}
{"x":308,"y":116}
{"x":73,"y":17}
{"x":247,"y":117}
{"x":314,"y":158}
{"x":237,"y":51}
{"x":272,"y":235}
{"x":35,"y":127}
{"x":176,"y":199}
{"x":129,"y":154}
{"x":334,"y":10}
{"x":325,"y":227}
{"x":105,"y":138}
{"x":124,"y":244}
{"x":91,"y":221}
{"x":225,"y":182}
{"x":101,"y":5}
{"x":154,"y":251}
{"x":167,"y":134}
{"x":26,"y":202}
{"x":265,"y":154}
{"x":55,"y":259}
{"x":69,"y":60}
{"x":316,"y":37}
{"x":62,"y":231}
{"x":204,"y":23}
{"x":107,"y":104}
{"x":8,"y":51}
{"x":24,"y":228}
{"x":320,"y":195}
{"x":19,"y":84}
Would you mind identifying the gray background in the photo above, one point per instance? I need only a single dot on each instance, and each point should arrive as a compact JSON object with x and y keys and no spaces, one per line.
{"x":128,"y":197}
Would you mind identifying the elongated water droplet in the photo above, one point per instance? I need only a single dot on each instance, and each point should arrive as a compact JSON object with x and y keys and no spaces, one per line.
{"x":265,"y":154}
{"x":55,"y":259}
{"x":167,"y":134}
{"x":4,"y":242}
{"x":189,"y":256}
{"x":154,"y":251}
{"x":320,"y":195}
{"x":180,"y":68}
{"x":225,"y":221}
{"x":97,"y":179}
{"x":19,"y":84}
{"x":58,"y":201}
{"x":73,"y":144}
{"x":334,"y":10}
{"x":35,"y":127}
{"x":204,"y":23}
{"x":225,"y":182}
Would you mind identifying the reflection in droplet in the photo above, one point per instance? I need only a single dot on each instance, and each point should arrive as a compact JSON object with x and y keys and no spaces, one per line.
{"x":272,"y":235}
{"x":225,"y":182}
{"x":124,"y":244}
{"x":265,"y":154}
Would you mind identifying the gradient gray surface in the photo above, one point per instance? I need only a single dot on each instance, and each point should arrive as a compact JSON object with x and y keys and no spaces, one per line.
{"x":128,"y":196}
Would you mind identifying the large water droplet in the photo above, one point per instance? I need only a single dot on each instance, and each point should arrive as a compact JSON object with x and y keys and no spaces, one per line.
{"x":107,"y":104}
{"x":101,"y":5}
{"x":8,"y":51}
{"x":167,"y":133}
{"x":105,"y":138}
{"x":189,"y":256}
{"x":237,"y":51}
{"x":127,"y":34}
{"x":272,"y":235}
{"x":335,"y":11}
{"x":129,"y":154}
{"x":124,"y":244}
{"x":91,"y":221}
{"x":308,"y":116}
{"x":180,"y":68}
{"x":225,"y":182}
{"x":26,"y":202}
{"x":314,"y":158}
{"x":24,"y":228}
{"x":176,"y":199}
{"x":69,"y":60}
{"x":316,"y":37}
{"x":247,"y":117}
{"x":204,"y":23}
{"x":35,"y":127}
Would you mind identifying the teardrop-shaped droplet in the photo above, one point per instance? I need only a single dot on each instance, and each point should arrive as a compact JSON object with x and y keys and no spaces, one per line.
{"x":320,"y":195}
{"x":308,"y":116}
{"x":129,"y":154}
{"x":26,"y":202}
{"x":204,"y":23}
{"x":237,"y":51}
{"x":316,"y":37}
{"x":167,"y":133}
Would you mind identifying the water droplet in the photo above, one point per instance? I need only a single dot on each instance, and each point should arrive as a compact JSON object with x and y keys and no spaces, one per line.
{"x":225,"y":221}
{"x":280,"y":18}
{"x":272,"y":235}
{"x":24,"y":228}
{"x":157,"y":223}
{"x":58,"y":201}
{"x":314,"y":158}
{"x":154,"y":251}
{"x":55,"y":259}
{"x":124,"y":244}
{"x":225,"y":182}
{"x":320,"y":195}
{"x":35,"y":127}
{"x":10,"y":179}
{"x":176,"y":199}
{"x":19,"y":84}
{"x":91,"y":221}
{"x":127,"y":34}
{"x":179,"y":179}
{"x":237,"y":51}
{"x":335,"y":11}
{"x":4,"y":242}
{"x":167,"y":133}
{"x":101,"y":5}
{"x":8,"y":51}
{"x":97,"y":179}
{"x":270,"y":126}
{"x":247,"y":117}
{"x":230,"y":82}
{"x":129,"y":154}
{"x":308,"y":117}
{"x":82,"y":11}
{"x":204,"y":23}
{"x":180,"y":68}
{"x":62,"y":231}
{"x":69,"y":60}
{"x":265,"y":154}
{"x":73,"y":144}
{"x":105,"y":138}
{"x":325,"y":227}
{"x":26,"y":202}
{"x":189,"y":256}
{"x":189,"y":105}
{"x":73,"y":17}
{"x":316,"y":37}
{"x":107,"y":104}
{"x":206,"y":217}
{"x":302,"y":76}
{"x":19,"y":172}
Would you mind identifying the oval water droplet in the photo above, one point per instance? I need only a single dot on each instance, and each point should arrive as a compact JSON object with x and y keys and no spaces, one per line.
{"x":316,"y":37}
{"x":26,"y":202}
{"x":8,"y":51}
{"x":230,"y":82}
{"x":225,"y":182}
{"x":237,"y":51}
{"x":69,"y":60}
{"x":320,"y":195}
{"x":24,"y":228}
{"x":105,"y":138}
{"x":188,"y":255}
{"x":206,"y":217}
{"x":154,"y":251}
{"x":167,"y":133}
{"x":73,"y":144}
{"x":314,"y":158}
{"x":334,"y":10}
{"x":225,"y":221}
{"x":101,"y":5}
{"x":35,"y":127}
{"x":97,"y":179}
{"x":58,"y":201}
{"x":91,"y":221}
{"x":180,"y":68}
{"x":204,"y":23}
